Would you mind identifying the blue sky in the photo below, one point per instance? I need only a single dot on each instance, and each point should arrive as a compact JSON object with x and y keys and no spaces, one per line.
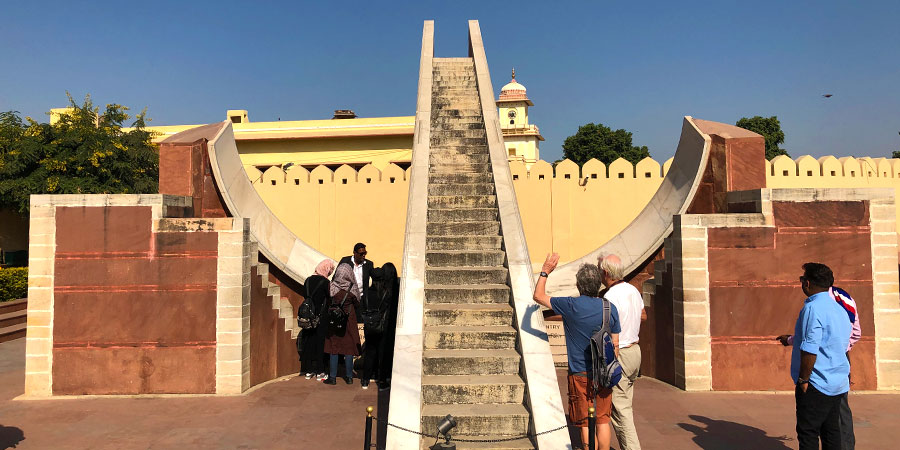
{"x":634,"y":65}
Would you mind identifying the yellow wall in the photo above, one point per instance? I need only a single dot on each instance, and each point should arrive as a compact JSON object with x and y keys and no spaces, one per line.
{"x":331,"y":211}
{"x":559,"y":214}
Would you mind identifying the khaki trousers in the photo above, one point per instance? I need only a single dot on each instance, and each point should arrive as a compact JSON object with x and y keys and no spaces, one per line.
{"x":622,"y":395}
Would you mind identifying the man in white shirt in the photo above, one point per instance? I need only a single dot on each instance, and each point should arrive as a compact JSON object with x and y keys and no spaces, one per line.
{"x":362,"y":270}
{"x":630,"y":304}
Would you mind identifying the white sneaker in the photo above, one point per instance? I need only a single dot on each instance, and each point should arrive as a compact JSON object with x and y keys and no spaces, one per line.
{"x":309,"y":375}
{"x":365,"y":386}
{"x":321,"y":377}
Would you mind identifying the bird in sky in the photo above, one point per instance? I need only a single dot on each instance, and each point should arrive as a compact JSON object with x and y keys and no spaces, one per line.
{"x":826,"y":95}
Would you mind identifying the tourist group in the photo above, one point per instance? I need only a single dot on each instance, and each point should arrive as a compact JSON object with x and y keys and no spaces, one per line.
{"x":602,"y":328}
{"x":359,"y":293}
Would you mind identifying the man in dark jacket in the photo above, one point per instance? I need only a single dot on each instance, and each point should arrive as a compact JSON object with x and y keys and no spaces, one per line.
{"x":362,"y":270}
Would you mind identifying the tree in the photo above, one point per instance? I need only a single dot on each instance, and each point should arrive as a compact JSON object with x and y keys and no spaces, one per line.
{"x":84,"y":152}
{"x":601,"y":142}
{"x":770,"y":129}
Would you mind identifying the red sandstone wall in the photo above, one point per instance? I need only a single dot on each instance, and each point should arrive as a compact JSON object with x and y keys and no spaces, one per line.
{"x":134,"y":311}
{"x":755,"y":295}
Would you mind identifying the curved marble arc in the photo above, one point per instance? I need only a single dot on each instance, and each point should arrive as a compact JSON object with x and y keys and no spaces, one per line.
{"x":277,"y":243}
{"x":645,"y":234}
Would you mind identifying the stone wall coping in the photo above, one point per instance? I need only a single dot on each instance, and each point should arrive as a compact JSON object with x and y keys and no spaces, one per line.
{"x":110,"y":200}
{"x":543,"y":395}
{"x":406,"y":378}
{"x":810,"y":194}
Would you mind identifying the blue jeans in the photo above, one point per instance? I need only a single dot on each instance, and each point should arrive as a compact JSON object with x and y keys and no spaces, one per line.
{"x":348,"y":362}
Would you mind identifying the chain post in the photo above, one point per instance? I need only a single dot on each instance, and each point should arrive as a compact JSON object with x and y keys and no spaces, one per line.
{"x":592,"y":428}
{"x":368,"y":443}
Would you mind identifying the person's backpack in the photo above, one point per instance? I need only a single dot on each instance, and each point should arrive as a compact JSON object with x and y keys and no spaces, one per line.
{"x":606,"y":369}
{"x":337,"y":316}
{"x":374,"y":319}
{"x":307,"y":316}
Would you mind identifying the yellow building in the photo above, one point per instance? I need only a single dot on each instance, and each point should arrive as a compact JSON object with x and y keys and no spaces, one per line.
{"x":520,"y":136}
{"x":349,"y":140}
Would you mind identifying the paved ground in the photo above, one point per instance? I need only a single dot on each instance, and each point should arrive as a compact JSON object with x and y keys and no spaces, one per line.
{"x":300,"y":414}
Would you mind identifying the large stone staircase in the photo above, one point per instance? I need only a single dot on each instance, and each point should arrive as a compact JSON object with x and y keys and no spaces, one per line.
{"x":471,"y":366}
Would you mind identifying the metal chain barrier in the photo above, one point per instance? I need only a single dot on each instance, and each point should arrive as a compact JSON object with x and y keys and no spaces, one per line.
{"x":505,"y":439}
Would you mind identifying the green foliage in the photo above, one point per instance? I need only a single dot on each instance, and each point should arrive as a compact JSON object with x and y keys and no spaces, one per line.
{"x":85,"y":152}
{"x":895,"y":154}
{"x":13,"y":283}
{"x":770,"y":129}
{"x":601,"y":142}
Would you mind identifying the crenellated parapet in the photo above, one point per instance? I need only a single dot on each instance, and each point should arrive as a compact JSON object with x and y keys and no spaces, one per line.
{"x":831,"y":167}
{"x":593,"y":169}
{"x":320,"y":175}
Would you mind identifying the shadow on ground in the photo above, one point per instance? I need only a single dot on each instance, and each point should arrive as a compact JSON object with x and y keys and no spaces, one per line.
{"x":10,"y":437}
{"x":722,"y":434}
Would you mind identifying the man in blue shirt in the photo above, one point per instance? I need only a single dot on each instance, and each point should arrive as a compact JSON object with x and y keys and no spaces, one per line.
{"x":819,"y":365}
{"x":582,"y":316}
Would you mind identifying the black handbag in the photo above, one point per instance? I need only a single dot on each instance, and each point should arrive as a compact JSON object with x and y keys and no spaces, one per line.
{"x":374,"y":319}
{"x":307,"y":317}
{"x":337,"y":317}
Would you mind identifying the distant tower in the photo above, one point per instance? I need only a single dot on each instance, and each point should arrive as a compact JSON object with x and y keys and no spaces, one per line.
{"x":521,"y":138}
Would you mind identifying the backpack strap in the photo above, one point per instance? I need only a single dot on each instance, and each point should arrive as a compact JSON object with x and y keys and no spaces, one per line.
{"x":607,"y":312}
{"x":316,"y":291}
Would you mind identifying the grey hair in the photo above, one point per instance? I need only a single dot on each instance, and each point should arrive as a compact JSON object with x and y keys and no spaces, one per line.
{"x":588,"y":280}
{"x":613,"y":268}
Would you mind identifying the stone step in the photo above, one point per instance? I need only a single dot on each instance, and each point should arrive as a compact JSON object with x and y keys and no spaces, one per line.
{"x":479,"y":149}
{"x":462,"y":214}
{"x":458,"y":125}
{"x":459,"y":294}
{"x":457,"y":112}
{"x":459,"y":133}
{"x":13,"y":318}
{"x":466,"y":275}
{"x":460,"y":168}
{"x":470,"y":362}
{"x":445,"y":116}
{"x":468,"y":101}
{"x":461,"y":178}
{"x":13,"y":305}
{"x":453,"y":69}
{"x":13,"y":332}
{"x":459,"y":88}
{"x":484,"y":314}
{"x":437,"y":160}
{"x":494,"y":443}
{"x":470,"y":337}
{"x":463,"y":242}
{"x":487,"y":228}
{"x":472,"y":389}
{"x":462,"y":201}
{"x":448,"y":258}
{"x":487,"y":419}
{"x":457,"y":141}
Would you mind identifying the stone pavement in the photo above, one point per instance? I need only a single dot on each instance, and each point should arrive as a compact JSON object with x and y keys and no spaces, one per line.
{"x":299,"y":414}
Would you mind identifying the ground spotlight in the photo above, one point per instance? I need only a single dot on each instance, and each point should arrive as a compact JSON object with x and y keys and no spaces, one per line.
{"x":444,"y":426}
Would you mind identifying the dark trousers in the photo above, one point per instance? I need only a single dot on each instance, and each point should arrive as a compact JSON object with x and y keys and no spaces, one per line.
{"x":848,"y":439}
{"x":373,"y":356}
{"x":818,"y":416}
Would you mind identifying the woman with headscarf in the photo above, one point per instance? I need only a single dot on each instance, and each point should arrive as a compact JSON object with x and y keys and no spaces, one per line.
{"x":313,"y":339}
{"x":343,"y":291}
{"x":389,"y":293}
